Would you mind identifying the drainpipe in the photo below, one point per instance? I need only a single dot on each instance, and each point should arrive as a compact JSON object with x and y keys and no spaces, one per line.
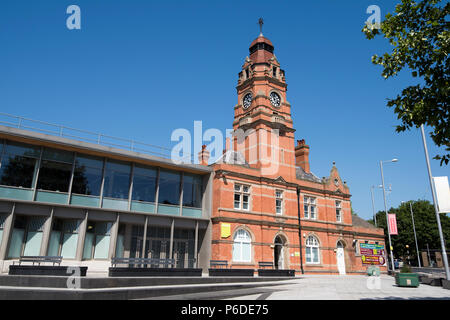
{"x":300,"y":230}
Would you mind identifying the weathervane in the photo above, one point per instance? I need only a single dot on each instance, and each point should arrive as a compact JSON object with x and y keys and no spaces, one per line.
{"x":260,"y":22}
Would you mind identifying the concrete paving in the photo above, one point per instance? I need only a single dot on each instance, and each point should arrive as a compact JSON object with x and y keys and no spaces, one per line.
{"x":354,"y":287}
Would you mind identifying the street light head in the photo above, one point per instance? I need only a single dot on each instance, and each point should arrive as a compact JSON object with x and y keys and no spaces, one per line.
{"x":394,"y":160}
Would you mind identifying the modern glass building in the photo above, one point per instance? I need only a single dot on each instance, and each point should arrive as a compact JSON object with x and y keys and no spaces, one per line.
{"x":88,"y":203}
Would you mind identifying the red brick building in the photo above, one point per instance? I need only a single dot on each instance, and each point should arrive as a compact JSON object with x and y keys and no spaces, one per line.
{"x":263,"y":183}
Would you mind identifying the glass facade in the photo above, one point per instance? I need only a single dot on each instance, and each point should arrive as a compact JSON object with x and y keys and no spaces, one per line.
{"x":96,"y":243}
{"x":87,"y":177}
{"x":2,"y":225}
{"x":55,"y":171}
{"x":144,"y":184}
{"x":64,"y":238}
{"x":192,"y":191}
{"x":169,"y":187}
{"x":18,"y":165}
{"x":184,"y":248}
{"x":26,"y":236}
{"x":117,"y":180}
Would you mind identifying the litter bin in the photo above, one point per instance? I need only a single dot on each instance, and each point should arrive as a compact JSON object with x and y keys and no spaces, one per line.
{"x":373,"y":271}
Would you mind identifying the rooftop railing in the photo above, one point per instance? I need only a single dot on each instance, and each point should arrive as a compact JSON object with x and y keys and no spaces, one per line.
{"x":86,"y":136}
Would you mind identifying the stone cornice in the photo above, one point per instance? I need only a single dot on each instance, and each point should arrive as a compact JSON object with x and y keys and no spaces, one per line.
{"x":275,"y":181}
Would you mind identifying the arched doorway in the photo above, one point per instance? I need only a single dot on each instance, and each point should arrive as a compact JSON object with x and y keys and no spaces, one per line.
{"x":340,"y":257}
{"x":279,"y":253}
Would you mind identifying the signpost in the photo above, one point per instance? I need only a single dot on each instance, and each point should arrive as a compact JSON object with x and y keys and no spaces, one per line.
{"x":373,"y":254}
{"x":393,"y":224}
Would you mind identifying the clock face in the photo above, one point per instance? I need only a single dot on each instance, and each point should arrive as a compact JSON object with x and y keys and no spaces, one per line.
{"x":247,"y":101}
{"x":275,"y":99}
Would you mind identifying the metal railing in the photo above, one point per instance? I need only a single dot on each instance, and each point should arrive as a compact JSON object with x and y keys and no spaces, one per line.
{"x":86,"y":136}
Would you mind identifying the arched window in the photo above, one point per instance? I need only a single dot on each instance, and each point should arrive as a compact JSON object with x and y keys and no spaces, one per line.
{"x":312,"y":250}
{"x":242,"y":246}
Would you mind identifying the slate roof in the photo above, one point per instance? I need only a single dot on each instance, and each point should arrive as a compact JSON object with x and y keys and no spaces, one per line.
{"x":233,"y":157}
{"x":359,"y":222}
{"x":302,"y":175}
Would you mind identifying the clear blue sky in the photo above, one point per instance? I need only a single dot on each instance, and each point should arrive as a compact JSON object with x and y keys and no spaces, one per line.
{"x":140,"y":69}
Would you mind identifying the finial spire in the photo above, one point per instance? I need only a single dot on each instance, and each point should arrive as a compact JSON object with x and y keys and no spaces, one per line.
{"x":261,"y":22}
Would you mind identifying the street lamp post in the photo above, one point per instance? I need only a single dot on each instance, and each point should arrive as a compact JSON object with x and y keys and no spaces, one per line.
{"x":373,"y":206}
{"x":385,"y":210}
{"x":441,"y":236}
{"x":415,"y":236}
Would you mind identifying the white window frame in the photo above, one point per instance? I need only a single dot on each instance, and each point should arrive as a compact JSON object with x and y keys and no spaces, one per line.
{"x":308,"y":203}
{"x":242,"y":191}
{"x":238,"y":241}
{"x":338,"y":210}
{"x":279,"y":199}
{"x":314,"y":245}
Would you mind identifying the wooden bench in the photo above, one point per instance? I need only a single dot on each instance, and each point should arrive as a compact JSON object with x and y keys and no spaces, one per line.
{"x":143,"y":262}
{"x":150,"y":267}
{"x":265,"y":264}
{"x":272,"y":272}
{"x":40,"y":259}
{"x":44,"y":270}
{"x":218,"y":263}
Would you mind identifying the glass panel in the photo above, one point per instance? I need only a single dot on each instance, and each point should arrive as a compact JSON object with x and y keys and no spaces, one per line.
{"x":315,"y":254}
{"x":143,"y":207}
{"x":52,"y":197}
{"x":87,"y":201}
{"x":192,"y":191}
{"x":120,"y":246}
{"x":308,"y":254}
{"x":192,"y":212}
{"x":137,"y":234}
{"x":88,"y":246}
{"x":101,"y":247}
{"x":169,"y":187}
{"x":21,"y":149}
{"x":54,"y":176}
{"x":246,"y":252}
{"x":115,"y":204}
{"x":2,"y":221}
{"x":158,"y":245}
{"x":53,"y":245}
{"x":69,"y":245}
{"x":17,"y":171}
{"x":87,"y":177}
{"x":33,"y":243}
{"x":15,"y":246}
{"x":172,"y":210}
{"x":144,"y":184}
{"x":236,"y":251}
{"x":58,"y":155}
{"x":117,"y":180}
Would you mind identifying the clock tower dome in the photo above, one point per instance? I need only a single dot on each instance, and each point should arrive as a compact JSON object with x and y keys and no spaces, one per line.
{"x":264,"y":113}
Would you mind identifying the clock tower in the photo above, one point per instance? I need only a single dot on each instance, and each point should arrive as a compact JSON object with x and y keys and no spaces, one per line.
{"x":263,"y":113}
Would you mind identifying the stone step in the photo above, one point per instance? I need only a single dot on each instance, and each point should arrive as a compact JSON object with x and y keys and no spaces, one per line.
{"x":127,"y":293}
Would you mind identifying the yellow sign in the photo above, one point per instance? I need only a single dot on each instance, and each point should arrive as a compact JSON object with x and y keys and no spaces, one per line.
{"x":225,"y":230}
{"x":297,"y":254}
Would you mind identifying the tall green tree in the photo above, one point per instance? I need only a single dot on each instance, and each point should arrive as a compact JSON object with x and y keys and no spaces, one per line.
{"x":420,"y":36}
{"x":426,"y":228}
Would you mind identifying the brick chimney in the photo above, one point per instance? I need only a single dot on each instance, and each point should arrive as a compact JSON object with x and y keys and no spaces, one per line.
{"x":203,"y":156}
{"x":302,"y":155}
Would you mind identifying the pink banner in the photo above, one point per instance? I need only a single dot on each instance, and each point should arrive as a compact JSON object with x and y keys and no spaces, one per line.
{"x":392,"y":224}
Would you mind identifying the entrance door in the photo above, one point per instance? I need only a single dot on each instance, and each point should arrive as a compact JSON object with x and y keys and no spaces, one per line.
{"x":278,"y":253}
{"x":340,"y":258}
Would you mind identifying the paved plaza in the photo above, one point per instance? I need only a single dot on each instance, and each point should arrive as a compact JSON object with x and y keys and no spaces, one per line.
{"x":354,"y":287}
